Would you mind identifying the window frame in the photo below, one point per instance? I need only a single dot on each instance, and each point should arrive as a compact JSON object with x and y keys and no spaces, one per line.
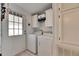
{"x":14,"y":25}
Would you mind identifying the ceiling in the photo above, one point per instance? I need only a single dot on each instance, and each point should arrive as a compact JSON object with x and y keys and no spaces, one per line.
{"x":34,"y":7}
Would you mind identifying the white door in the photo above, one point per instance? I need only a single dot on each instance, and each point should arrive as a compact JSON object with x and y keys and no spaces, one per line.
{"x":69,"y":6}
{"x":0,"y":28}
{"x":11,"y":45}
{"x":70,"y":26}
{"x":44,"y":46}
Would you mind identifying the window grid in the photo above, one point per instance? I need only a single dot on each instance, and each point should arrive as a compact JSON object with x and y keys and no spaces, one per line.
{"x":17,"y":28}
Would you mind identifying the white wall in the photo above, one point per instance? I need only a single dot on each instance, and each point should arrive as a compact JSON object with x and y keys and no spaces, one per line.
{"x":15,"y":44}
{"x":29,"y":21}
{"x":28,"y":28}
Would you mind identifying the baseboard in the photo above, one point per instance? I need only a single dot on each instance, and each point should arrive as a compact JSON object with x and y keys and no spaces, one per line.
{"x":20,"y":52}
{"x":24,"y":51}
{"x":31,"y":52}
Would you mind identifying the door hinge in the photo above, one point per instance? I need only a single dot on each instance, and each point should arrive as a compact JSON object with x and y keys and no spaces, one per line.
{"x":59,"y":16}
{"x":58,"y":8}
{"x":59,"y":38}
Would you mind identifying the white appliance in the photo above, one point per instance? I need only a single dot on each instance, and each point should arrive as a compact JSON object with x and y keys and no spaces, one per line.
{"x":45,"y":45}
{"x":31,"y":43}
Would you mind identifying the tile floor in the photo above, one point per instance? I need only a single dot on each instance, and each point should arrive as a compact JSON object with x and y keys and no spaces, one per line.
{"x":25,"y":53}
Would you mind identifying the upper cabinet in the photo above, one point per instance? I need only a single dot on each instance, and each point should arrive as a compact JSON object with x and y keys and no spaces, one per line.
{"x":68,"y":6}
{"x":49,"y":18}
{"x":34,"y":21}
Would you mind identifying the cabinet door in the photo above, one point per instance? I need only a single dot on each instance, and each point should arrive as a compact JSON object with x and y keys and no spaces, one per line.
{"x":34,"y":21}
{"x":67,"y":6}
{"x":49,"y":18}
{"x":44,"y":47}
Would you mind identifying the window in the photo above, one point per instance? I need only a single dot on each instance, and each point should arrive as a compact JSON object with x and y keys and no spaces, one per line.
{"x":14,"y":25}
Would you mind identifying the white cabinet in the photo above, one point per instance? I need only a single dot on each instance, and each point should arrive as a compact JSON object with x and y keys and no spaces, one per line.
{"x":34,"y":21}
{"x":49,"y":18}
{"x":44,"y":46}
